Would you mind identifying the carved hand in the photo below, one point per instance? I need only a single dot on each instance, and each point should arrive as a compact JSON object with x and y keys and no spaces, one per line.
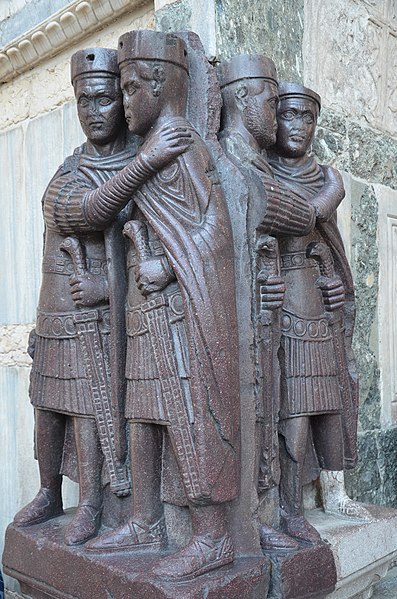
{"x":88,"y":289}
{"x":153,"y":275}
{"x":272,"y":292}
{"x":333,"y":292}
{"x":165,"y":145}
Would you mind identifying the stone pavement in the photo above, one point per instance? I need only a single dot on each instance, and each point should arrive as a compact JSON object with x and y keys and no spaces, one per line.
{"x":387,"y":587}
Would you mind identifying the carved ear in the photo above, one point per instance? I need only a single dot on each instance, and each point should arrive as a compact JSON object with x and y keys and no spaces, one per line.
{"x":241,"y":95}
{"x":158,"y":80}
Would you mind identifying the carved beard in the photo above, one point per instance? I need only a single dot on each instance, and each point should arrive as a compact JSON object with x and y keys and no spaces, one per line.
{"x":256,"y":124}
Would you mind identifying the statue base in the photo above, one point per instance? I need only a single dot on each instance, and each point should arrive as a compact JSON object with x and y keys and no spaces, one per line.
{"x":46,"y":568}
{"x":304,"y":574}
{"x":363,"y":551}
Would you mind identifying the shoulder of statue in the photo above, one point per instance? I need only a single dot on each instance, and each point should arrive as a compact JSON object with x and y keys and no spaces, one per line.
{"x":71,"y":163}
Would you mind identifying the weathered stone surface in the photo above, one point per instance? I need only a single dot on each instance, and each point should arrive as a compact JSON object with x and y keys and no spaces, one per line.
{"x":271,"y":28}
{"x":306,"y":573}
{"x":375,"y":478}
{"x":373,"y":156}
{"x":365,"y":33}
{"x":365,"y":268}
{"x":387,"y":242}
{"x":37,"y":552}
{"x":387,"y":588}
{"x":174,"y":17}
{"x":363,"y":552}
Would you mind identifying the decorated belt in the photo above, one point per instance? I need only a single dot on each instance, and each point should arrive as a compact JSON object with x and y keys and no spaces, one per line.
{"x":136,"y":317}
{"x":295,"y":260}
{"x":316,"y":329}
{"x":61,"y":265}
{"x":62,"y":325}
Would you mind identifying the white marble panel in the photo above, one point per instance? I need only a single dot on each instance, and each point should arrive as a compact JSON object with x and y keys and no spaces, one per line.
{"x":387,"y":313}
{"x":18,"y":468}
{"x":344,"y":52}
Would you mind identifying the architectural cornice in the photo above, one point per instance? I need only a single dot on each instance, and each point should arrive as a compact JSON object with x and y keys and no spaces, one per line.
{"x":60,"y":30}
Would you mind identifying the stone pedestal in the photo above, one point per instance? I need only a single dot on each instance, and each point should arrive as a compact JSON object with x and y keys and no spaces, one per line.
{"x":46,"y":568}
{"x":307,"y":573}
{"x":363,"y":552}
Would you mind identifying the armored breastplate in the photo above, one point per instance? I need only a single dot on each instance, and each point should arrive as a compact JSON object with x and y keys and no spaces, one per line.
{"x":302,"y":297}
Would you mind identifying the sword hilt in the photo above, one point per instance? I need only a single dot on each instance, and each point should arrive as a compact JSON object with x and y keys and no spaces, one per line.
{"x":137,"y":232}
{"x":321,"y":253}
{"x":267,"y":249}
{"x":73,"y":247}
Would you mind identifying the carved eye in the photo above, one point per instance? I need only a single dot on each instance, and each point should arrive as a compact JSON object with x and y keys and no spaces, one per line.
{"x":308,"y":118}
{"x":288,"y":115}
{"x":131,"y":87}
{"x":105,"y":101}
{"x":83,"y":102}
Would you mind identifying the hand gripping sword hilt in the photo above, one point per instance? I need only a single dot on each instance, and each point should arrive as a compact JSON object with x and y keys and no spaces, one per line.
{"x":73,"y":247}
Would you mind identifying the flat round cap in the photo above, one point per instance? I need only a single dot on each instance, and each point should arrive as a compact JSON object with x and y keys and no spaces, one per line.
{"x":145,"y":44}
{"x":94,"y":60}
{"x":248,"y":66}
{"x":296,"y":90}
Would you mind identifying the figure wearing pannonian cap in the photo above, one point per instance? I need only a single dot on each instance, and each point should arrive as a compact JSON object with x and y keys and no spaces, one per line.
{"x":83,"y":270}
{"x":293,"y":165}
{"x":182,"y":369}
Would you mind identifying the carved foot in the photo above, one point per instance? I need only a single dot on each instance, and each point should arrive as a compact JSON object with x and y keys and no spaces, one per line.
{"x":335,"y":499}
{"x":201,"y":555}
{"x":346,"y":508}
{"x":43,"y":507}
{"x":84,"y":525}
{"x":272,"y":539}
{"x":130,"y":536}
{"x":299,"y":528}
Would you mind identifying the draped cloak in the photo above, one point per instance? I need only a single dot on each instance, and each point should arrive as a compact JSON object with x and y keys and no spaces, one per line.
{"x":185,"y":207}
{"x":306,"y":180}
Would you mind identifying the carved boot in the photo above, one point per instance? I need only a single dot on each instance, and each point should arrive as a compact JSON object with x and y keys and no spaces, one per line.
{"x":84,"y":526}
{"x":298,"y":527}
{"x":132,"y":535}
{"x":273,"y":540}
{"x":201,"y":555}
{"x":335,"y":499}
{"x":46,"y":505}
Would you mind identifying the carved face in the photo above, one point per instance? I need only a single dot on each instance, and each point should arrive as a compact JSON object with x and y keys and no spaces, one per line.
{"x":297,"y":119}
{"x":100,"y":108}
{"x":141,"y":91}
{"x":260,"y":113}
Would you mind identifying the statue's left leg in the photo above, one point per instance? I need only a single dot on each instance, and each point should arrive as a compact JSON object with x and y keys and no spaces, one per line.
{"x":210,"y":546}
{"x":86,"y":522}
{"x":328,"y":439}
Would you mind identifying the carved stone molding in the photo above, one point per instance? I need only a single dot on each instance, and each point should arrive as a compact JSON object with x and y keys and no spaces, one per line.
{"x":62,"y":29}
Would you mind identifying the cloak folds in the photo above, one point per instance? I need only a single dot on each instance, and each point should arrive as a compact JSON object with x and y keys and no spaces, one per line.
{"x":185,"y":207}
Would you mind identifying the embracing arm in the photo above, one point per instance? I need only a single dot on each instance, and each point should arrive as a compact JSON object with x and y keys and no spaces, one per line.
{"x":328,"y":199}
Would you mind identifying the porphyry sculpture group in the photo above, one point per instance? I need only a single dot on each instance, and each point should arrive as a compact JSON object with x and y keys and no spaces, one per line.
{"x":135,"y":377}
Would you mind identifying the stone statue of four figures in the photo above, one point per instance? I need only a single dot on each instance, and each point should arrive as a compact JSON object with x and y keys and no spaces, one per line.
{"x":135,"y":377}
